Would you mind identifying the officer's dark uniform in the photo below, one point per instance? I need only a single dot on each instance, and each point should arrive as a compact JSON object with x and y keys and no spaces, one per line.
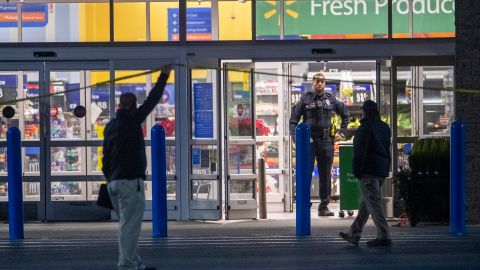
{"x":317,"y":110}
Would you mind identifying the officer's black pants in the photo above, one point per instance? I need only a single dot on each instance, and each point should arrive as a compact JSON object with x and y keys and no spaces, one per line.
{"x":322,"y":152}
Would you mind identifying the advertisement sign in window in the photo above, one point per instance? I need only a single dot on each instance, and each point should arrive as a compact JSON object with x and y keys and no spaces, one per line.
{"x":33,"y":15}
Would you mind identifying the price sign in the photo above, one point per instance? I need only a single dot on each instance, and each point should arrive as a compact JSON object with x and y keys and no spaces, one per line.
{"x":361,"y":93}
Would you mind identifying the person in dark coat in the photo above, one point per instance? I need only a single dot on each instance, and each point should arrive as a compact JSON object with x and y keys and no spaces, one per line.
{"x":124,"y":165}
{"x":371,"y":164}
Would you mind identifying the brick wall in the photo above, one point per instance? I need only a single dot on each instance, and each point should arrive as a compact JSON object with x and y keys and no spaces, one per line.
{"x":467,"y":106}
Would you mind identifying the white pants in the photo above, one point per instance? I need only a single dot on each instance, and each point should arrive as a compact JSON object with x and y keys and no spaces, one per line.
{"x":128,"y":199}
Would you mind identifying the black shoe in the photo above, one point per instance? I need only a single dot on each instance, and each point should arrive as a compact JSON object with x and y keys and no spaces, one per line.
{"x":325,"y":213}
{"x":348,"y":238}
{"x":379,"y":243}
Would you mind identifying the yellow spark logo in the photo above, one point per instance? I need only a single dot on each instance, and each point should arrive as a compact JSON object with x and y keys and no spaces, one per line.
{"x":272,"y":12}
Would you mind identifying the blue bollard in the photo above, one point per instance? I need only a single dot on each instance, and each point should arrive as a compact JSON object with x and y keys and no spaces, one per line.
{"x":303,"y":179}
{"x":159,"y":183}
{"x":457,"y":178}
{"x":15,"y":195}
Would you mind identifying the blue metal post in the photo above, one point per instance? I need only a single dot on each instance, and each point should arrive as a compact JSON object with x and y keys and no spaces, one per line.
{"x":303,"y":179}
{"x":15,"y":195}
{"x":457,"y":178}
{"x":159,"y":183}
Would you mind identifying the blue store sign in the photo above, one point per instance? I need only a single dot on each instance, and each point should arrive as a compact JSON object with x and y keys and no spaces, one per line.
{"x":33,"y":15}
{"x":199,"y":24}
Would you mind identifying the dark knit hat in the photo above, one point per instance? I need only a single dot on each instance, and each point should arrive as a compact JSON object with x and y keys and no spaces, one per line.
{"x":370,"y":107}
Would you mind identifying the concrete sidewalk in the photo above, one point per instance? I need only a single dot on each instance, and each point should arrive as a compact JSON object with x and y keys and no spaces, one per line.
{"x":246,"y":244}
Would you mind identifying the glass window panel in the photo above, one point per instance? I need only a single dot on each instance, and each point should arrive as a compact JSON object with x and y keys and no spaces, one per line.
{"x":8,"y":92}
{"x":242,"y":189}
{"x":66,"y":159}
{"x":170,"y":160}
{"x":130,"y":21}
{"x":405,"y":104}
{"x":31,"y":107}
{"x":235,"y":20}
{"x":438,"y":106}
{"x":204,"y":159}
{"x":240,"y":159}
{"x":171,"y":190}
{"x":164,"y":112}
{"x":68,"y":191}
{"x":136,"y":85}
{"x":99,"y":103}
{"x":365,"y":19}
{"x":63,"y":123}
{"x":31,"y":160}
{"x":96,"y":156}
{"x":204,"y":105}
{"x":269,"y":152}
{"x":423,"y":19}
{"x":205,"y":190}
{"x":268,"y":19}
{"x":239,"y":104}
{"x":9,"y":24}
{"x":266,"y":107}
{"x":3,"y":160}
{"x":164,"y":23}
{"x":272,"y":183}
{"x":31,"y":191}
{"x":199,"y":21}
{"x":65,"y":22}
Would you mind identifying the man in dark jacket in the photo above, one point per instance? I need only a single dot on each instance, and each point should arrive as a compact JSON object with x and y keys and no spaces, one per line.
{"x":371,"y":164}
{"x":124,"y":165}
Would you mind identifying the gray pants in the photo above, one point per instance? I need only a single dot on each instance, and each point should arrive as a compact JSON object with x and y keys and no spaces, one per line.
{"x":371,"y":205}
{"x":128,"y":199}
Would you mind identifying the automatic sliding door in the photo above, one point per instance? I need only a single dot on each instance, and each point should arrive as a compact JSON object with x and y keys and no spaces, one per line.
{"x":240,"y":145}
{"x":23,"y":81}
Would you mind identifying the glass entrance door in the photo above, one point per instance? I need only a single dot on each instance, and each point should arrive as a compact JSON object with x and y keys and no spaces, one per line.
{"x":240,"y":144}
{"x":18,"y":81}
{"x":422,"y":102}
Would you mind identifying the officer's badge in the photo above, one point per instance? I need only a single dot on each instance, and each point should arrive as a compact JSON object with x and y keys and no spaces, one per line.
{"x":327,"y":102}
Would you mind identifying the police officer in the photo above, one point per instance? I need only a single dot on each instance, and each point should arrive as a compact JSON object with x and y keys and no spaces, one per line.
{"x":316,"y":107}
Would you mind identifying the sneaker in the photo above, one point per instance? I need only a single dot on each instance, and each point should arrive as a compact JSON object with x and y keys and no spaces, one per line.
{"x":348,"y":238}
{"x":379,"y":243}
{"x":325,"y":213}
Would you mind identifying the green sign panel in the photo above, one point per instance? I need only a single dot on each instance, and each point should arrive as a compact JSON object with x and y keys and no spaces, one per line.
{"x":349,"y":190}
{"x":317,"y":19}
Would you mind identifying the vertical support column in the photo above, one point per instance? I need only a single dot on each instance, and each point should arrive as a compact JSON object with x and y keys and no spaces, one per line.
{"x":457,"y":178}
{"x":262,"y":194}
{"x":159,"y":183}
{"x":303,"y":179}
{"x":15,"y":202}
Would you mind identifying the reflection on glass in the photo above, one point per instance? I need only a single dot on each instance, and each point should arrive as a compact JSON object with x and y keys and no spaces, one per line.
{"x":68,"y":191}
{"x":8,"y":92}
{"x":31,"y":191}
{"x":66,"y":159}
{"x":32,"y":159}
{"x":170,"y":160}
{"x":240,"y":159}
{"x":204,"y":159}
{"x":269,"y":152}
{"x":239,"y":104}
{"x":204,"y":190}
{"x":31,"y":107}
{"x":385,"y":95}
{"x":266,"y":89}
{"x":272,"y":183}
{"x":3,"y":160}
{"x":63,"y":123}
{"x":438,"y":106}
{"x":403,"y":151}
{"x":99,"y":103}
{"x":242,"y":189}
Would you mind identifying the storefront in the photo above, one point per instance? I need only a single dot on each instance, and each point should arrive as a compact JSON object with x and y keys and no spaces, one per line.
{"x":227,"y":103}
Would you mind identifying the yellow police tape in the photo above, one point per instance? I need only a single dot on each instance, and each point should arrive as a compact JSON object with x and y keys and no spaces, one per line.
{"x":459,"y":90}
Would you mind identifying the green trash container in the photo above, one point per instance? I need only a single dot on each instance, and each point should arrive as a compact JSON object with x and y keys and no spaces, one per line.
{"x":349,"y":190}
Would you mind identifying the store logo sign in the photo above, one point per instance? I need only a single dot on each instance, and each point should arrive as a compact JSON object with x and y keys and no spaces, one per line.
{"x":33,"y":15}
{"x":269,"y":14}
